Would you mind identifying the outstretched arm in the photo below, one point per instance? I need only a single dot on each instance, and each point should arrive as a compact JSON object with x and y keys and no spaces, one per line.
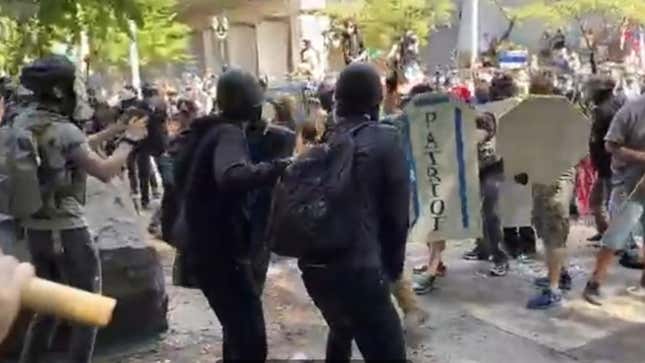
{"x":234,"y":171}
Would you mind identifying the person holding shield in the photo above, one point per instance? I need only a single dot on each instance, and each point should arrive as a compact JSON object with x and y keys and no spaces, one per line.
{"x":551,"y":220}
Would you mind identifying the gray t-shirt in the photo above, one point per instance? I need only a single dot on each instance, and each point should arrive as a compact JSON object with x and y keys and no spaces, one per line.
{"x":61,"y":139}
{"x":628,"y":129}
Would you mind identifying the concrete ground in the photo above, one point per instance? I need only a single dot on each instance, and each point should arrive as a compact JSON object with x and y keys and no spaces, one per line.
{"x":474,"y":318}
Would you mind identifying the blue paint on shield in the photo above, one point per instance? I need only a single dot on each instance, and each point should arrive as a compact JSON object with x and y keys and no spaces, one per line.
{"x":461,"y":165}
{"x":412,"y":168}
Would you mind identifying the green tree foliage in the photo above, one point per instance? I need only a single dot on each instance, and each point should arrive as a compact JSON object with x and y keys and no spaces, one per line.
{"x":21,"y":41}
{"x":562,"y":12}
{"x":385,"y":21}
{"x":28,"y":28}
{"x":161,"y":38}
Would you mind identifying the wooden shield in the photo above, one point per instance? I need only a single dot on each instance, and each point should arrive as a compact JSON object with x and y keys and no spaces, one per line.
{"x":542,"y":136}
{"x":442,"y":134}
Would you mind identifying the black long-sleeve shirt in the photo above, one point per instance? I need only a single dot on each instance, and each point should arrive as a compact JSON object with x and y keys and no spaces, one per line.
{"x":221,"y":177}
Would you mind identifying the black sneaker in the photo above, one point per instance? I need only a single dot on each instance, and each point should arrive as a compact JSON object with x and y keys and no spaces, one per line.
{"x":592,"y":293}
{"x":499,"y":269}
{"x":475,"y":255}
{"x":565,"y":284}
{"x":631,"y":259}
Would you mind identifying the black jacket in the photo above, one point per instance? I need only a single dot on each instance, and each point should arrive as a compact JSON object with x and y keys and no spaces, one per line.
{"x":384,"y":195}
{"x":271,"y":143}
{"x":216,"y":196}
{"x":603,"y":114}
{"x":156,"y":142}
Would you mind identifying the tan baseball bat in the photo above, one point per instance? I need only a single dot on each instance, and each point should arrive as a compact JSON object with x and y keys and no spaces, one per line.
{"x":46,"y":297}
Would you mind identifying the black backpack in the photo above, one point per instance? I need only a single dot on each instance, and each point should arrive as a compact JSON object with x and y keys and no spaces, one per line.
{"x":313,"y":214}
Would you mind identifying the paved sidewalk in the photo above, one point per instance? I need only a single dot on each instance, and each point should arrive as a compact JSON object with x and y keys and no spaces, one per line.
{"x":474,"y":318}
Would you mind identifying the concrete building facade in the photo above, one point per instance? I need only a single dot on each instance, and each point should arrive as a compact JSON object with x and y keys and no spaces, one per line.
{"x":264,"y":36}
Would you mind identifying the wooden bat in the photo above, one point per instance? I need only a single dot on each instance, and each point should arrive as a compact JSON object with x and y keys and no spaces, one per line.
{"x":46,"y":297}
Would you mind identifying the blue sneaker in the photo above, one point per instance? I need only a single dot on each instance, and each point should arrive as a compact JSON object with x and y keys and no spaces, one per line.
{"x":546,"y":300}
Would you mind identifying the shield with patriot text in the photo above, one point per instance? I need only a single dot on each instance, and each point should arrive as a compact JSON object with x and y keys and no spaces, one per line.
{"x":443,"y":142}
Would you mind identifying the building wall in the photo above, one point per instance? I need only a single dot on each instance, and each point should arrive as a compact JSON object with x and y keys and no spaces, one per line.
{"x":264,"y":35}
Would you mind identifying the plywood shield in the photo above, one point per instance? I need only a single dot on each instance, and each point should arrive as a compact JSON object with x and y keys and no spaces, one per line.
{"x":443,"y":142}
{"x":542,"y":136}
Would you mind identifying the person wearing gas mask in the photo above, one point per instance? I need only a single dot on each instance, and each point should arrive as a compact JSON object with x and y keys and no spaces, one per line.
{"x":58,"y":238}
{"x":219,"y":177}
{"x":352,"y":290}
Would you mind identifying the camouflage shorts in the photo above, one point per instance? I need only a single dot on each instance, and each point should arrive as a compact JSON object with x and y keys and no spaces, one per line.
{"x":551,"y":212}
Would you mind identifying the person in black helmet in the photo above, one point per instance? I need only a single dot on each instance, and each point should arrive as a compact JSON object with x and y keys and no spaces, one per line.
{"x":58,"y":237}
{"x":219,"y":182}
{"x":352,"y":291}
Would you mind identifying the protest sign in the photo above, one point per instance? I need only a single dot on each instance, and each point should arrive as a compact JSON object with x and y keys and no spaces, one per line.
{"x":542,"y":136}
{"x":442,"y":133}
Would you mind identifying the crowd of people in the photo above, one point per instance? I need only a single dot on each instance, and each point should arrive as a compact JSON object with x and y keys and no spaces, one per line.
{"x":332,"y":190}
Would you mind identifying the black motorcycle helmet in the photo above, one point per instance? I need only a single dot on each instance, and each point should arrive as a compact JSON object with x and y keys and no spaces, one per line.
{"x":239,"y":96}
{"x":51,"y":79}
{"x":52,"y":76}
{"x":359,"y":91}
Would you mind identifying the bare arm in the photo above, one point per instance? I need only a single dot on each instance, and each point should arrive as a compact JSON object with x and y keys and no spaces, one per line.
{"x":106,"y":169}
{"x":624,"y":153}
{"x":109,"y":133}
{"x":102,"y":169}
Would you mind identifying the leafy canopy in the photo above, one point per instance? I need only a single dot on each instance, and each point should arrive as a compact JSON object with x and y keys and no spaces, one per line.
{"x":384,"y":21}
{"x":161,"y":38}
{"x":29,"y":28}
{"x":560,"y":12}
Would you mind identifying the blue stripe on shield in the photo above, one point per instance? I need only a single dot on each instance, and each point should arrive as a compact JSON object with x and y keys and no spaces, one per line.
{"x":461,"y":164}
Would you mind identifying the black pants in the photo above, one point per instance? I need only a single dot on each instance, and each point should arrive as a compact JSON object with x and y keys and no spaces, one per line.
{"x":70,"y":257}
{"x":235,"y":298}
{"x":141,"y":175}
{"x":490,"y":244}
{"x":520,"y":240}
{"x":356,"y":304}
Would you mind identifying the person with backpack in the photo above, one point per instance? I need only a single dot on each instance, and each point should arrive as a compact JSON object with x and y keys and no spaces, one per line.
{"x":342,"y":209}
{"x":219,"y":177}
{"x":46,"y":160}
